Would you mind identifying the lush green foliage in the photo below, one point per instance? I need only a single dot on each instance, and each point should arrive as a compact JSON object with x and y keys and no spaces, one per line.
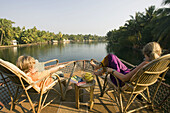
{"x":151,"y":25}
{"x":25,"y":36}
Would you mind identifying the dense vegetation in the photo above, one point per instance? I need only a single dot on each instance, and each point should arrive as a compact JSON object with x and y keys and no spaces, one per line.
{"x":153,"y":25}
{"x":25,"y":36}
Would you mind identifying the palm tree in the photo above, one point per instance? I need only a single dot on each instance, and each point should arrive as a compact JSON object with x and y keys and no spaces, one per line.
{"x":60,"y":36}
{"x":166,"y":2}
{"x":2,"y":34}
{"x":148,"y":25}
{"x":150,"y":14}
{"x":134,"y":27}
{"x":162,"y":28}
{"x":6,"y":31}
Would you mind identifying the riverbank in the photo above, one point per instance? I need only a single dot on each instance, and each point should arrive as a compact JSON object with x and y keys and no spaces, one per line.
{"x":23,"y":45}
{"x":39,"y":43}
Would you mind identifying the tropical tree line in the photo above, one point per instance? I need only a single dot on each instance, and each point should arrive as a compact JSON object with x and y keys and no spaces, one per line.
{"x":26,"y":36}
{"x":151,"y":25}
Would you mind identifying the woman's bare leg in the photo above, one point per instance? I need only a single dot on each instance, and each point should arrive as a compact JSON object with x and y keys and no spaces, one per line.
{"x":98,"y":72}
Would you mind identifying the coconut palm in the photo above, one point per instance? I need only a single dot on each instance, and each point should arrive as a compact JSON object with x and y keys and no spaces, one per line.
{"x":134,"y":26}
{"x":162,"y":22}
{"x":6,"y":31}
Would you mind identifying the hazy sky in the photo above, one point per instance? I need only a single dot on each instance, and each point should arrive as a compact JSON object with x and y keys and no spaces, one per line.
{"x":73,"y":16}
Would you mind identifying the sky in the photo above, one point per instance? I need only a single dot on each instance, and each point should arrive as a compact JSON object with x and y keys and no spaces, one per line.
{"x":96,"y":17}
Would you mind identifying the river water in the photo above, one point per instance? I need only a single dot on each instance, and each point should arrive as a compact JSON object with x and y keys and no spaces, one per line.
{"x":69,"y":52}
{"x":62,"y":52}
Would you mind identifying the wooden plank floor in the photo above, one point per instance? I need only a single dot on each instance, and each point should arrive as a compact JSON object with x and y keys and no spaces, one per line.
{"x":101,"y":104}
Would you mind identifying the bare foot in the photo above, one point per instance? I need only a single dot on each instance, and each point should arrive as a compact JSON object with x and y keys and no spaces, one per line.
{"x":95,"y":66}
{"x":99,"y":73}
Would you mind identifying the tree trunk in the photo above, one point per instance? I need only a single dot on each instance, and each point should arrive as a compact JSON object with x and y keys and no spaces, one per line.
{"x":1,"y":38}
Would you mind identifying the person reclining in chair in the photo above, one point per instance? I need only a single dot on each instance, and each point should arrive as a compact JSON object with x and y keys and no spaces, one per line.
{"x":115,"y":67}
{"x":27,"y":63}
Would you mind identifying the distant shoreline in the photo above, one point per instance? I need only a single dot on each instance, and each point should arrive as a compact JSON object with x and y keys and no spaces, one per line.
{"x":22,"y":45}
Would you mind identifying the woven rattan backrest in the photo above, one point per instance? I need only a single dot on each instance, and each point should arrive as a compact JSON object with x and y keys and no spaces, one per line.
{"x":149,"y":74}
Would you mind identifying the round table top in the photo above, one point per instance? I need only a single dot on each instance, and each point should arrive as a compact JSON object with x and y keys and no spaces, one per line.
{"x":88,"y":84}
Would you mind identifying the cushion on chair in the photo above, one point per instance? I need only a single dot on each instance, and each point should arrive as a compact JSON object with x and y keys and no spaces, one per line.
{"x":16,"y":70}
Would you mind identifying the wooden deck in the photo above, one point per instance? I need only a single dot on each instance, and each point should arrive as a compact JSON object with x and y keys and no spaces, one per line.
{"x":101,"y":104}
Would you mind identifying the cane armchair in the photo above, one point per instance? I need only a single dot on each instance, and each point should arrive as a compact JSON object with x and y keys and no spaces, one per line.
{"x":151,"y":73}
{"x":26,"y":86}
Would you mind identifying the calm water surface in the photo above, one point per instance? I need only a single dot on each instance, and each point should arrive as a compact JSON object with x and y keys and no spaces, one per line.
{"x":62,"y":52}
{"x":69,"y":52}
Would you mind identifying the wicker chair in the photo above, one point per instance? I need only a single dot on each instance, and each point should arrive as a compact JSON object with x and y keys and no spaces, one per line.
{"x":26,"y":86}
{"x":151,"y":73}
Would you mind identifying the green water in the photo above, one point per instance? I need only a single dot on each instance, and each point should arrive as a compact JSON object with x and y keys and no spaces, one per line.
{"x":68,"y":52}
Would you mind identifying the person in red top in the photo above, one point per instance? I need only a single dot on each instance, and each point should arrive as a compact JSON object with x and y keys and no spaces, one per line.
{"x":27,"y":63}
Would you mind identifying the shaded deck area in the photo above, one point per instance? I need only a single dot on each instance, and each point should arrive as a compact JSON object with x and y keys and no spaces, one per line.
{"x":101,"y":104}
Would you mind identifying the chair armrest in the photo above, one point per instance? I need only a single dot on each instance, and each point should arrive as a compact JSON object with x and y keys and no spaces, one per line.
{"x":53,"y":60}
{"x":67,"y":63}
{"x":40,"y":66}
{"x":94,"y":60}
{"x":163,"y":79}
{"x":127,"y":63}
{"x":129,"y":84}
{"x":44,"y":81}
{"x":61,"y":65}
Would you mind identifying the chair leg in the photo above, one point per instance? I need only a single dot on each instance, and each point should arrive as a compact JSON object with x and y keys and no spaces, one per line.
{"x":150,"y":103}
{"x":104,"y":86}
{"x":30,"y":101}
{"x":68,"y":82}
{"x":10,"y":94}
{"x":120,"y":102}
{"x":61,"y":90}
{"x":44,"y":99}
{"x":144,"y":97}
{"x":64,"y":83}
{"x":13,"y":103}
{"x":91,"y":97}
{"x":99,"y":84}
{"x":131,"y":99}
{"x":77,"y":96}
{"x":39,"y":104}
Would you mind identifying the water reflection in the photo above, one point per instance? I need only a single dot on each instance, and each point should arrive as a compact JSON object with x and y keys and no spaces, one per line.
{"x":63,"y":52}
{"x":71,"y":51}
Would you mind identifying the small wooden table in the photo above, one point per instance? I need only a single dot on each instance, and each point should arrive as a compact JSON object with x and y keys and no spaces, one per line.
{"x":90,"y":85}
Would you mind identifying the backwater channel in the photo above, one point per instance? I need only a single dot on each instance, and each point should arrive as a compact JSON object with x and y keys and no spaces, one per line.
{"x":69,"y":52}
